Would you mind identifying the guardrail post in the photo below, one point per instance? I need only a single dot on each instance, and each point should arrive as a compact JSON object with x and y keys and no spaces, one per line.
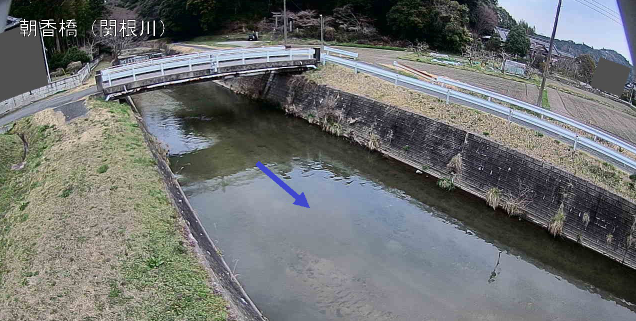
{"x":267,"y":53}
{"x":134,"y":76}
{"x":290,"y":55}
{"x":110,"y":83}
{"x":189,"y":64}
{"x":576,"y":141}
{"x":356,"y":69}
{"x":163,"y":73}
{"x":510,"y":115}
{"x":216,"y":65}
{"x":396,"y":77}
{"x":489,"y":98}
{"x":243,"y":57}
{"x":447,"y":96}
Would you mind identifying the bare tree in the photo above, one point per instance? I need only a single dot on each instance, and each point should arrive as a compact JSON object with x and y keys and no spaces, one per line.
{"x":486,"y":19}
{"x":346,"y":19}
{"x":116,"y":43}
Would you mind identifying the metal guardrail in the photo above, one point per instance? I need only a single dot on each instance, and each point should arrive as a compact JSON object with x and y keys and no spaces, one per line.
{"x":500,"y":110}
{"x":341,"y":52}
{"x":543,"y":112}
{"x":209,"y":58}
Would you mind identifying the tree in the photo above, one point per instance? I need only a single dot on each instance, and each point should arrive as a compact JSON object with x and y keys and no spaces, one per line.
{"x":585,"y":67}
{"x":442,"y":23}
{"x":494,"y":43}
{"x":505,"y":19}
{"x":485,"y":19}
{"x":518,"y":42}
{"x":529,"y":30}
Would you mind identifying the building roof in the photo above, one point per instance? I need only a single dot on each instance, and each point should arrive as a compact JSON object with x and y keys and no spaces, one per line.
{"x":535,"y":41}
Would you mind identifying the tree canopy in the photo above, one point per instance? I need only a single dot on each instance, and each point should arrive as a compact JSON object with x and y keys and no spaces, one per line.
{"x":518,"y":42}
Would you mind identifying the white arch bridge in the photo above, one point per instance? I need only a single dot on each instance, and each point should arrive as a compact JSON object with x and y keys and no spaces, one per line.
{"x":208,"y":65}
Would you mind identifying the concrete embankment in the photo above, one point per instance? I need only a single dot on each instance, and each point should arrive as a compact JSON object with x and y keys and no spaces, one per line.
{"x":546,"y":195}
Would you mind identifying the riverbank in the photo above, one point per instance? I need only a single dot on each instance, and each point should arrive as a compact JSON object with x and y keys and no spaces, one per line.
{"x":87,"y":230}
{"x":511,"y":167}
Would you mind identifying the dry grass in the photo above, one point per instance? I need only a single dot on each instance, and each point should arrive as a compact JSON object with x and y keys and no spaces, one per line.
{"x":558,"y":220}
{"x":374,"y":142}
{"x":586,"y":219}
{"x":80,"y":243}
{"x":499,"y":130}
{"x":493,"y":196}
{"x":455,"y":164}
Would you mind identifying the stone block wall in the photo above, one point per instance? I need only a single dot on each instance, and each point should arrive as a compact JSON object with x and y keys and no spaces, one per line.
{"x":24,"y":99}
{"x":536,"y":189}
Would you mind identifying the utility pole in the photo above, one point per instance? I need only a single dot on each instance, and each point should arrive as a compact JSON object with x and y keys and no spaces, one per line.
{"x":322,"y":33}
{"x":285,"y":20}
{"x":546,"y":66}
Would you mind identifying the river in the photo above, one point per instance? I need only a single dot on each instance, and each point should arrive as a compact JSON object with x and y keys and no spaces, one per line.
{"x":379,"y":242}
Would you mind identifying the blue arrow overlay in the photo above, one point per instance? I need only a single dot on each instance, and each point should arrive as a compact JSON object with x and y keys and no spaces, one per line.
{"x":301,"y":200}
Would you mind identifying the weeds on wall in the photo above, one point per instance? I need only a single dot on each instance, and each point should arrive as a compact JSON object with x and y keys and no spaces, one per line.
{"x":609,"y":238}
{"x":586,"y":219}
{"x":446,"y":183}
{"x":374,"y":142}
{"x":493,"y":196}
{"x":455,"y":164}
{"x":556,"y":224}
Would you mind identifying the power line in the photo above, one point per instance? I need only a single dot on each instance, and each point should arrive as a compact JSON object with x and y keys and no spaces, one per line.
{"x":606,"y":7}
{"x":614,"y":14}
{"x":602,"y":13}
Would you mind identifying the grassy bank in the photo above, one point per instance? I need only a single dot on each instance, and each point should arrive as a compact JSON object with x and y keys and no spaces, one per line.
{"x":87,"y":231}
{"x":509,"y":134}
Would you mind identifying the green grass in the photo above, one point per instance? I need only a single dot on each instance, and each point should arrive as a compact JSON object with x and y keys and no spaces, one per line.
{"x":544,"y":100}
{"x":102,"y":169}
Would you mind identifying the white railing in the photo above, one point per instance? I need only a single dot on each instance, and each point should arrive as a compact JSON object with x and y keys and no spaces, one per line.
{"x":500,"y":110}
{"x":543,"y":112}
{"x":341,"y":52}
{"x":210,"y":59}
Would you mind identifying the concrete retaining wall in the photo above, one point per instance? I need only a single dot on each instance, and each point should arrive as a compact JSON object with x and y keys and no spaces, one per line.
{"x":540,"y":188}
{"x":16,"y":102}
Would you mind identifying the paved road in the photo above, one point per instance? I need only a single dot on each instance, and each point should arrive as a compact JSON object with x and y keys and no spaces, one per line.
{"x":46,"y":104}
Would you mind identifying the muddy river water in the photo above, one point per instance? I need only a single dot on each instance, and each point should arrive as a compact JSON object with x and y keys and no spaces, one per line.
{"x":379,"y":242}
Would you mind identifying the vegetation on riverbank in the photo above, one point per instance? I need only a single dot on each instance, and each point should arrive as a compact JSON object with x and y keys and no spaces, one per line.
{"x":87,"y":231}
{"x":509,"y":134}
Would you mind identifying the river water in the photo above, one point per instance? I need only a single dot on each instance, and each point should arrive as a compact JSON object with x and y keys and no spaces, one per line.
{"x":379,"y":242}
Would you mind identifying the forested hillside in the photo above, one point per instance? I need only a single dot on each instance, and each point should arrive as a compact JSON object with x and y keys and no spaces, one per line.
{"x":577,"y":49}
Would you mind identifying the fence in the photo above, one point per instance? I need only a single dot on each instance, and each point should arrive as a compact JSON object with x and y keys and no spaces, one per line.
{"x":502,"y":111}
{"x":54,"y":87}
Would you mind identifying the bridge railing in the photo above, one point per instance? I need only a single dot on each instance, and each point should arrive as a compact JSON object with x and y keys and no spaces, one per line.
{"x":502,"y":111}
{"x":208,"y":58}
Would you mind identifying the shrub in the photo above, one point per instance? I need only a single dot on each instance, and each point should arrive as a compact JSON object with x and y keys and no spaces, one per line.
{"x":493,"y":196}
{"x":556,"y":224}
{"x":446,"y":183}
{"x":62,"y":59}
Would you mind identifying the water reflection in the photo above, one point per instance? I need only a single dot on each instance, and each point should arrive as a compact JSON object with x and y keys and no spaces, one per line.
{"x":380,"y":242}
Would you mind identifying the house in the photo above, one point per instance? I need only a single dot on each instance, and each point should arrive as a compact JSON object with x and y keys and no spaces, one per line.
{"x":538,"y":46}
